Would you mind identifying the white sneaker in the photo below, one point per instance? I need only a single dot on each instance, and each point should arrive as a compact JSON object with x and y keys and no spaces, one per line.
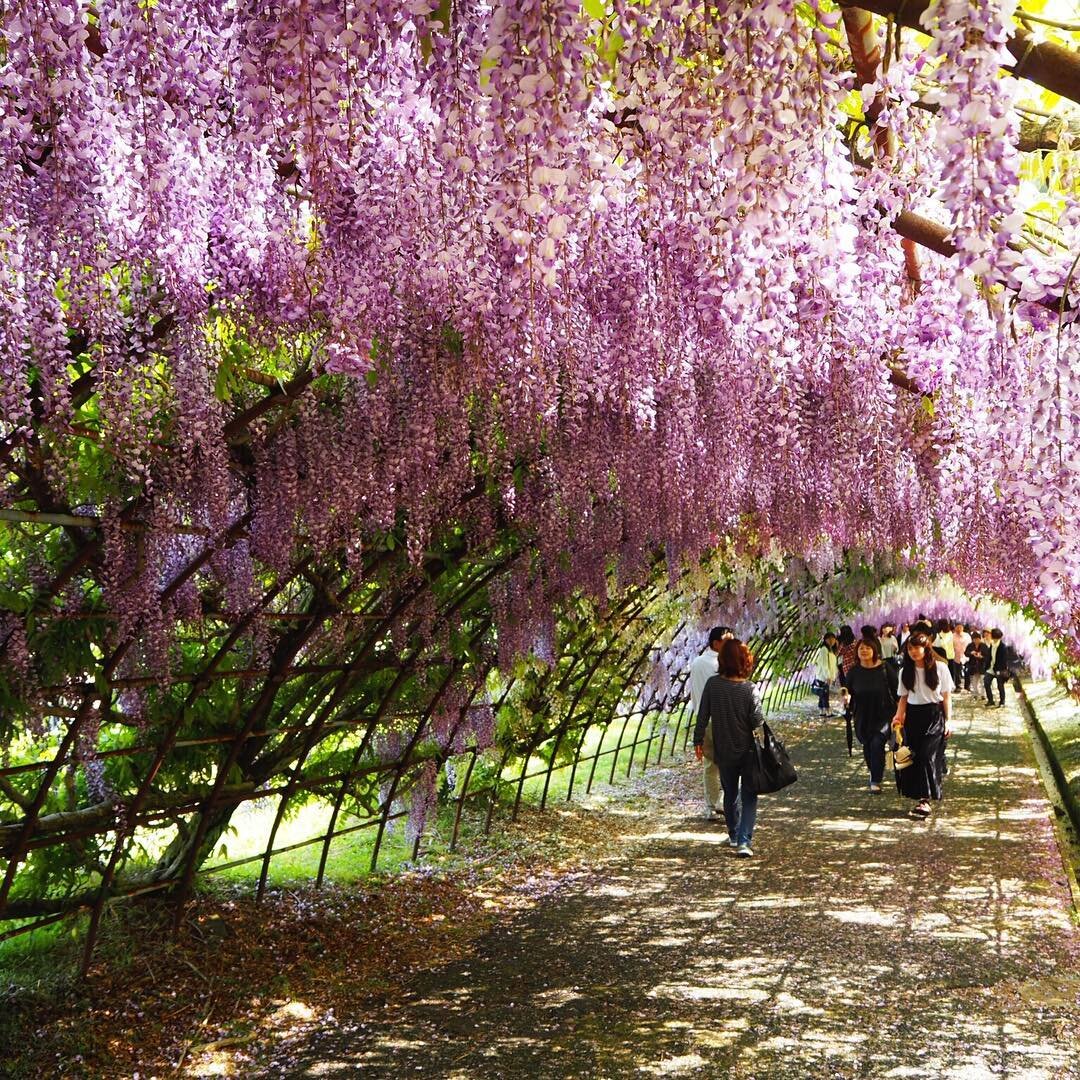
{"x":732,"y":842}
{"x":744,"y":851}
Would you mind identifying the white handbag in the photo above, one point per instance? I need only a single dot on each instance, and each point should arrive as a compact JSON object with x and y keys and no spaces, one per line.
{"x":902,"y":756}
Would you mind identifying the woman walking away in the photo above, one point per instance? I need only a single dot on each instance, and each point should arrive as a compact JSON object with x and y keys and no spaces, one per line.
{"x":923,"y":722}
{"x":943,"y":646}
{"x":825,"y":673}
{"x":873,"y":704}
{"x":731,"y":704}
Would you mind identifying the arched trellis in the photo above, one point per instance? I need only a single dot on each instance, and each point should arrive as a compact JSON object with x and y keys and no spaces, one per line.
{"x":350,"y":673}
{"x":352,"y":663}
{"x":594,"y":681}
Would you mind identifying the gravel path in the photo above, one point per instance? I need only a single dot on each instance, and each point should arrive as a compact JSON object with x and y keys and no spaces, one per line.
{"x":855,"y":944}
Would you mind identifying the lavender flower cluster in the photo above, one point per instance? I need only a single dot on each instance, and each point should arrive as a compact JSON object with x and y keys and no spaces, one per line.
{"x":610,"y":281}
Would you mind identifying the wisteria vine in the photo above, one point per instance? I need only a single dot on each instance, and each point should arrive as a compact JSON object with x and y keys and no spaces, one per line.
{"x":298,"y":282}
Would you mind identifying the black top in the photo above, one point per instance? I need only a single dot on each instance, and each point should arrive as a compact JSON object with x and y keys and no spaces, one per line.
{"x":734,"y":710}
{"x":873,"y":697}
{"x":978,"y":652}
{"x":1002,"y":660}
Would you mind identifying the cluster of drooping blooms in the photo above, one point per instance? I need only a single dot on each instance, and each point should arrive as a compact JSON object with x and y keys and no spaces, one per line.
{"x":611,"y":283}
{"x":422,"y":800}
{"x":759,"y":599}
{"x":976,"y":132}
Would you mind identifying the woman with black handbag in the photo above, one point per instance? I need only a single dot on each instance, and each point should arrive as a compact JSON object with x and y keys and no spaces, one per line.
{"x":731,"y":704}
{"x":872,"y":699}
{"x":922,"y":722}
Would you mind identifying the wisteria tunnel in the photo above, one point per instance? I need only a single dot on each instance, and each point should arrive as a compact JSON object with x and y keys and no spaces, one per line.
{"x":393,"y":396}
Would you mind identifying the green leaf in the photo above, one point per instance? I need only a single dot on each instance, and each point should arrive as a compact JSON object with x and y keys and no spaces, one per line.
{"x":609,"y":53}
{"x":442,"y":14}
{"x":12,"y":601}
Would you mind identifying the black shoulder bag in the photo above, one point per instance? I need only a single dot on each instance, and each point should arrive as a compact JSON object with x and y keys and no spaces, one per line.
{"x":772,"y":769}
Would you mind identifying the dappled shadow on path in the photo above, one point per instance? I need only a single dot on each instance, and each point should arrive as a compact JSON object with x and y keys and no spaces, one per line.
{"x":856,"y":943}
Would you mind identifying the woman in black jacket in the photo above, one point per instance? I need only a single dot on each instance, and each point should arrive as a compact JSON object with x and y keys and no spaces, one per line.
{"x":731,"y":704}
{"x":872,"y":696}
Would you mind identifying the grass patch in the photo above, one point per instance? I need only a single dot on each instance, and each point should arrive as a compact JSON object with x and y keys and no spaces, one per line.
{"x":1059,"y":715}
{"x":153,"y":1002}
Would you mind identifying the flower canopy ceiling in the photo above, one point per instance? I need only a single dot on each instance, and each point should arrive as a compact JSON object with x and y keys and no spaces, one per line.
{"x":281,"y":280}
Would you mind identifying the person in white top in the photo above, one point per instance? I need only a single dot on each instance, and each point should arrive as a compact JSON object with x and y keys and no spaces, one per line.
{"x":889,"y":644}
{"x":923,"y":722}
{"x":701,"y":671}
{"x":826,"y":672}
{"x":961,"y":639}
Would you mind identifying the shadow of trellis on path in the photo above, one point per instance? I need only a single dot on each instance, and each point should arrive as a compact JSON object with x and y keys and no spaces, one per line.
{"x":855,"y":944}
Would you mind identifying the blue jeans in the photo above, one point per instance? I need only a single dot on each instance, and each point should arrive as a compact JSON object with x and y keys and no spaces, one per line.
{"x":873,"y":748}
{"x":740,"y":819}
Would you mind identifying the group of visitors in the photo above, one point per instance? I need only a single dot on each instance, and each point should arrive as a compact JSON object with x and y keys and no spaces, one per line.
{"x":982,"y":655}
{"x":897,"y":689}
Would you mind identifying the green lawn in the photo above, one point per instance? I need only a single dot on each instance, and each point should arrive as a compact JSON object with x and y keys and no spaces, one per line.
{"x":350,"y":855}
{"x":623,"y":749}
{"x":1059,"y":715}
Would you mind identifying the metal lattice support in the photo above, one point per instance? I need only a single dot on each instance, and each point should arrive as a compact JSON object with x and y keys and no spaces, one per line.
{"x":323,"y":686}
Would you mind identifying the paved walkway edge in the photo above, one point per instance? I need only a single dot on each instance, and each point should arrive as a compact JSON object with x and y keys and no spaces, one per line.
{"x":1059,"y":792}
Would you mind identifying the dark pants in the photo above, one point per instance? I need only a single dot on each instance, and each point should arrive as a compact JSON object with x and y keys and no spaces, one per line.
{"x":740,"y":818}
{"x":956,"y":670}
{"x":988,"y":680}
{"x":823,"y":696}
{"x":873,"y":752}
{"x":924,"y":733}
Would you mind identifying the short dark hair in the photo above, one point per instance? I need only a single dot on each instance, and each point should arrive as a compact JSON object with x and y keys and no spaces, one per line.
{"x":718,"y":633}
{"x":996,"y":634}
{"x":868,"y":631}
{"x":871,"y":642}
{"x":736,"y":661}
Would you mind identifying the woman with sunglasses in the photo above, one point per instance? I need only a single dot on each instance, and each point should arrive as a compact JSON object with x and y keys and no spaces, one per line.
{"x":923,"y":720}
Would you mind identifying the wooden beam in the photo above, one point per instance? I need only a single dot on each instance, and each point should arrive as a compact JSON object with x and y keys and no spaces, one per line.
{"x":926,"y":233}
{"x":1054,"y":67}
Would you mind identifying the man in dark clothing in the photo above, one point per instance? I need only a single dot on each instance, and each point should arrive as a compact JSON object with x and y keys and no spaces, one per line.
{"x":999,"y":666}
